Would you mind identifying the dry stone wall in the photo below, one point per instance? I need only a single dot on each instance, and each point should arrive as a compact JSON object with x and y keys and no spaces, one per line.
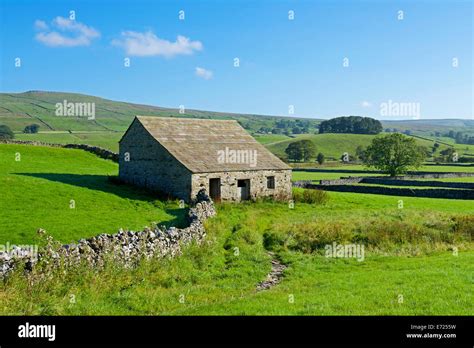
{"x":401,"y":180}
{"x":99,"y":151}
{"x":394,"y":191}
{"x":125,"y":248}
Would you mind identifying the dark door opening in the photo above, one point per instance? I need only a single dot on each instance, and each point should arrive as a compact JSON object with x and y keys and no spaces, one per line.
{"x":215,"y":189}
{"x":244,"y":189}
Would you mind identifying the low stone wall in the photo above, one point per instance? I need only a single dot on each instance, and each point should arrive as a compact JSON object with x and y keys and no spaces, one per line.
{"x":96,"y":150}
{"x":342,"y":181}
{"x":434,"y":176}
{"x":28,"y":142}
{"x":406,"y":182}
{"x":125,"y":247}
{"x":401,"y":180}
{"x":411,"y":173}
{"x":451,"y":164}
{"x":302,"y":183}
{"x":395,"y":191}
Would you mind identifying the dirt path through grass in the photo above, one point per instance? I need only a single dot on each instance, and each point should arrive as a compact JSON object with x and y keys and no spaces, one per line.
{"x":275,"y":275}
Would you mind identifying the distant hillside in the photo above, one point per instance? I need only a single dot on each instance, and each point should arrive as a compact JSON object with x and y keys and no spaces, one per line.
{"x":427,"y":127}
{"x":18,"y":110}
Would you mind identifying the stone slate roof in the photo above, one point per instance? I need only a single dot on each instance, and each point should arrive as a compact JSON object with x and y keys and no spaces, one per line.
{"x":196,"y":142}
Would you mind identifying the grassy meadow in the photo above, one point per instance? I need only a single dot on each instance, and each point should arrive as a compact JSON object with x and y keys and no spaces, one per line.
{"x":418,"y":260}
{"x":351,"y":170}
{"x":334,"y":145}
{"x":410,"y":267}
{"x":37,"y":190}
{"x":106,"y":140}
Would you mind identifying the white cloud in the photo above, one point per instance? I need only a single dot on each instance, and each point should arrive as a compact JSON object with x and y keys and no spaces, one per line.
{"x":69,"y":33}
{"x":203,"y":73}
{"x":148,"y":44}
{"x":366,"y":104}
{"x":41,"y":25}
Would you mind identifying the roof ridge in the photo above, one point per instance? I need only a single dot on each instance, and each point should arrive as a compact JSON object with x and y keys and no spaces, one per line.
{"x":184,"y":118}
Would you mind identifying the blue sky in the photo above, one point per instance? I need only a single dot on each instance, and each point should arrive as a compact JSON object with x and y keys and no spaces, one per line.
{"x":283,"y":62}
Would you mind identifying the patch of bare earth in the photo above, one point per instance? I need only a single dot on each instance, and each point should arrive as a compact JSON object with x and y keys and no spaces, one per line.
{"x":275,"y":275}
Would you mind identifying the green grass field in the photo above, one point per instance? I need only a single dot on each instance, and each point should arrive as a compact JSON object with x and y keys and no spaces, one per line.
{"x":36,"y":192}
{"x":345,"y":171}
{"x":271,"y":138}
{"x":333,"y":145}
{"x":106,"y":140}
{"x":409,"y":252}
{"x":418,"y":276}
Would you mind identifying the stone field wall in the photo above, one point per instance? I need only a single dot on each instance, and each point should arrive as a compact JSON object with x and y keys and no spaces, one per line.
{"x":99,"y":151}
{"x":124,"y":248}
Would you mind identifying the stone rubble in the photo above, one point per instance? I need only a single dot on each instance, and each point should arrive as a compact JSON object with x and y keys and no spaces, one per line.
{"x":275,"y":275}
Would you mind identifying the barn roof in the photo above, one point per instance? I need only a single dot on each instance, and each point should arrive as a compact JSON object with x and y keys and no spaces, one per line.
{"x":204,"y":145}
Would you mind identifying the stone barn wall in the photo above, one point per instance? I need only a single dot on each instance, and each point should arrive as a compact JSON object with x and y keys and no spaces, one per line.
{"x":151,"y":166}
{"x":258,"y":184}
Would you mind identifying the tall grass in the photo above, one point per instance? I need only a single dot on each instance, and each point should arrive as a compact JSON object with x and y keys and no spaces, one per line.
{"x":310,"y":196}
{"x":381,"y":236}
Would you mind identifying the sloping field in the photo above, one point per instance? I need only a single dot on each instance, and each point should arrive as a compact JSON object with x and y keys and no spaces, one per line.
{"x":333,"y":145}
{"x":18,"y":110}
{"x":408,"y":253}
{"x":36,"y":192}
{"x":107,"y":140}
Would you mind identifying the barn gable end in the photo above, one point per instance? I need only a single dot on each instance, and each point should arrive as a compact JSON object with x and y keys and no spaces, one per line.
{"x":146,"y":163}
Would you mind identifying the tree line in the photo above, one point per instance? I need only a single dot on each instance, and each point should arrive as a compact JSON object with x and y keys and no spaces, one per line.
{"x":351,"y":124}
{"x":393,"y":154}
{"x":6,"y":133}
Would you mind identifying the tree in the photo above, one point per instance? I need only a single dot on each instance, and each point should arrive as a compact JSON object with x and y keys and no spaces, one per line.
{"x":300,"y":150}
{"x":360,"y":152}
{"x":308,"y":149}
{"x":6,"y":133}
{"x":293,"y":151}
{"x":449,"y":155}
{"x":394,"y":154}
{"x":347,"y":157}
{"x":296,"y":130}
{"x":32,"y":128}
{"x":320,"y":158}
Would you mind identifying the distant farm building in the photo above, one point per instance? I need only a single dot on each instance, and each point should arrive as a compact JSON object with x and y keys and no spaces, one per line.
{"x":180,"y":156}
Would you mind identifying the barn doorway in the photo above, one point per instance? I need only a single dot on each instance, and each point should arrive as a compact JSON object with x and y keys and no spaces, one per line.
{"x":215,"y":189}
{"x":244,"y":189}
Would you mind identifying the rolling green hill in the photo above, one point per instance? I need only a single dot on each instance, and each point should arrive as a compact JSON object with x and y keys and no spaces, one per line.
{"x":18,"y":110}
{"x":333,"y":145}
{"x":426,"y":127}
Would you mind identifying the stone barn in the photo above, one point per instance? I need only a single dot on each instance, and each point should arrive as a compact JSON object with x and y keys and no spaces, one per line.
{"x":180,"y":156}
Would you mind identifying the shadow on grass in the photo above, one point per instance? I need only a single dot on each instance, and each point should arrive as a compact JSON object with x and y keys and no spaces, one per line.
{"x":104,"y":184}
